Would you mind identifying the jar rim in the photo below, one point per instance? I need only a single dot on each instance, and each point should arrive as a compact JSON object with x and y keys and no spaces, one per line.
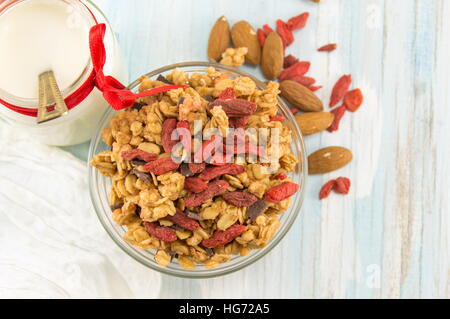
{"x":90,"y":20}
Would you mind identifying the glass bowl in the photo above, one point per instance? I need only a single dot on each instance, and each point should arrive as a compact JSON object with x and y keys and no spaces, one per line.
{"x":99,"y":187}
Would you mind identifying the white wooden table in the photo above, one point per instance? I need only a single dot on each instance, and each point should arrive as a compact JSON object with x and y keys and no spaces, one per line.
{"x":390,"y":237}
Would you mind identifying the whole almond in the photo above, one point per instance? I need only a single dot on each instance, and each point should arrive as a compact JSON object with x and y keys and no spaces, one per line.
{"x":244,"y":35}
{"x":314,"y":122}
{"x":272,"y":56}
{"x":300,"y":96}
{"x":219,"y":39}
{"x":328,"y":159}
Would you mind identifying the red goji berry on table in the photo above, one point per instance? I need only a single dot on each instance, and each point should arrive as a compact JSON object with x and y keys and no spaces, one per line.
{"x":315,"y":88}
{"x":299,"y":68}
{"x":277,"y":118}
{"x":338,"y":115}
{"x":289,"y":61}
{"x":281,"y":192}
{"x":261,"y":37}
{"x":181,"y":219}
{"x":240,"y":199}
{"x":342,"y":185}
{"x":226,"y":94}
{"x":138,"y":154}
{"x":168,"y":127}
{"x":195,"y":184}
{"x":223,"y":237}
{"x":328,"y":48}
{"x":353,"y":100}
{"x":326,"y":189}
{"x":162,"y":233}
{"x":212,"y":172}
{"x":340,"y":89}
{"x":214,"y":189}
{"x":161,"y":166}
{"x":298,"y":22}
{"x":267,"y":29}
{"x":303,"y":80}
{"x":285,"y":34}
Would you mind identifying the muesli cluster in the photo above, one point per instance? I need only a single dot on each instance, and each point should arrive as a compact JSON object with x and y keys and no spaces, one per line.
{"x":196,"y":196}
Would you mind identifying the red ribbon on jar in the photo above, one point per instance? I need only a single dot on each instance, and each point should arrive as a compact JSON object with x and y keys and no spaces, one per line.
{"x":113,"y":91}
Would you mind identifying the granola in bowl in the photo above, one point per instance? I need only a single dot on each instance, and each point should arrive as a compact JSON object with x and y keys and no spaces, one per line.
{"x":199,"y":174}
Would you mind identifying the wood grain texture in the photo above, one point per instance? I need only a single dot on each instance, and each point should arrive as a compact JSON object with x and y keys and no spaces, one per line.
{"x":388,"y":238}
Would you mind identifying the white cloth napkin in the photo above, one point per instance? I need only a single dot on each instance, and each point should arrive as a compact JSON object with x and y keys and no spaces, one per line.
{"x":51,"y":242}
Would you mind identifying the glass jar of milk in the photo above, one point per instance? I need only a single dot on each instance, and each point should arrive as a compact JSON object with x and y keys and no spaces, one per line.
{"x":41,"y":35}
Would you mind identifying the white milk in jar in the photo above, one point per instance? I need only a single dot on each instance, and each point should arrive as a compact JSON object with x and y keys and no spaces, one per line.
{"x":41,"y":35}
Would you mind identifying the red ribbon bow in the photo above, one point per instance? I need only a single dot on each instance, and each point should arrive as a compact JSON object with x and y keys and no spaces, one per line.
{"x":114,"y":92}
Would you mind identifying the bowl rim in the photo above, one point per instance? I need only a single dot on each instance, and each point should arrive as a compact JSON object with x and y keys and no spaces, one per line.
{"x":256,"y":254}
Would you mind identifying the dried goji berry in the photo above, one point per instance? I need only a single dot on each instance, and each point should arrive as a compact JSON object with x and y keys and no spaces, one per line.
{"x":294,"y":110}
{"x":240,"y":199}
{"x":340,"y":89}
{"x":238,"y":122}
{"x":169,"y":126}
{"x":285,"y":34}
{"x":342,"y":185}
{"x":328,"y":48}
{"x":299,"y":68}
{"x":223,"y":237}
{"x":277,"y":118}
{"x":219,"y":160}
{"x":281,"y":176}
{"x":181,"y":219}
{"x":261,"y":37}
{"x":326,"y":189}
{"x":197,"y":168}
{"x":184,"y":134}
{"x":353,"y":100}
{"x":289,"y":61}
{"x":303,"y":80}
{"x":235,"y":107}
{"x":338,"y":115}
{"x":183,"y":124}
{"x":208,"y":149}
{"x":139,"y":154}
{"x":267,"y":29}
{"x":162,"y":233}
{"x":298,"y":22}
{"x":212,"y":172}
{"x":226,"y":94}
{"x":280,"y":192}
{"x":161,"y":166}
{"x":315,"y":88}
{"x":214,"y":189}
{"x":195,"y":184}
